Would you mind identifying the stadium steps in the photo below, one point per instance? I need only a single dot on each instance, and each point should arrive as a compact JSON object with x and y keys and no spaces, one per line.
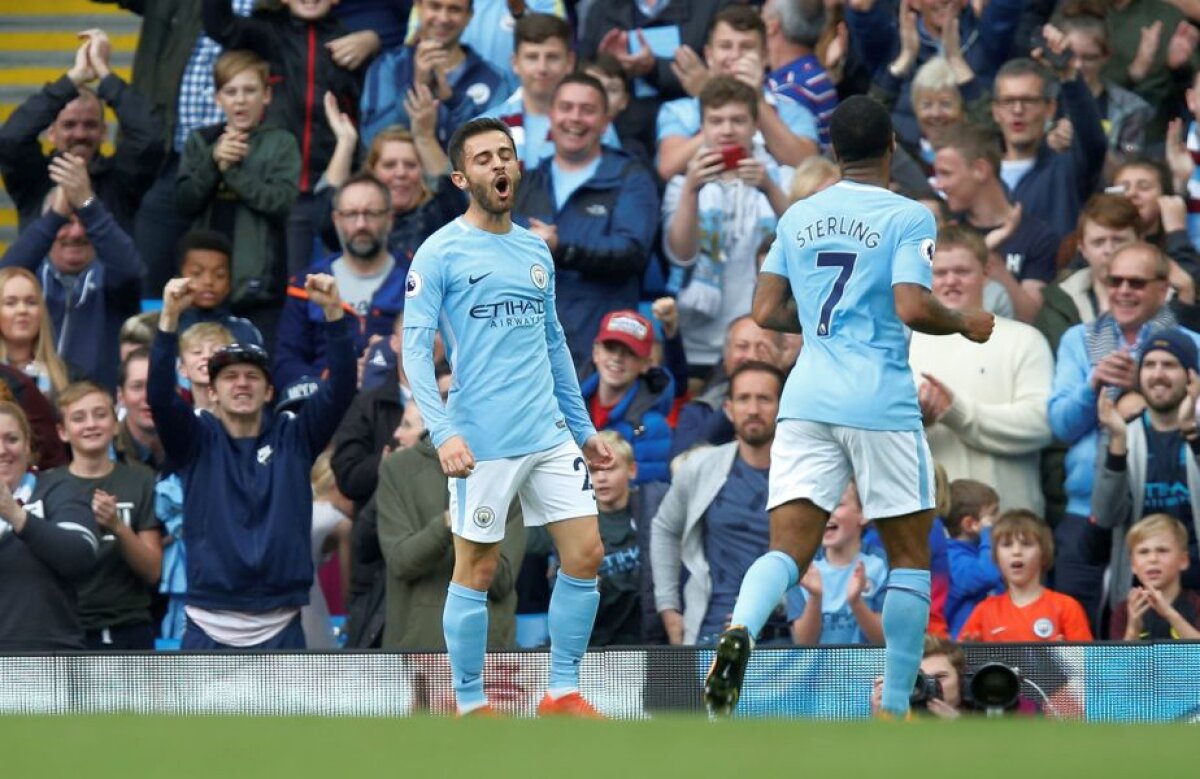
{"x":37,"y":46}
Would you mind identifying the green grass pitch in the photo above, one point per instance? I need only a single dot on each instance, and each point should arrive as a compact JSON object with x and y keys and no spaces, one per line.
{"x":127,"y":747}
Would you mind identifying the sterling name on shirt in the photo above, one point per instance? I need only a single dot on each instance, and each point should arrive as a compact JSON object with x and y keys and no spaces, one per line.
{"x":828,"y":227}
{"x":516,"y":312}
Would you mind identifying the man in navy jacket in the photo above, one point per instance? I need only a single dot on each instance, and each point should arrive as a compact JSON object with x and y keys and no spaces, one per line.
{"x":597,"y":209}
{"x":88,"y":267}
{"x":245,"y":471}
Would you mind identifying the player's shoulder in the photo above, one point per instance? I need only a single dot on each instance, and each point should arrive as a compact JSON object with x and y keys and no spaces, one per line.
{"x":442,"y":240}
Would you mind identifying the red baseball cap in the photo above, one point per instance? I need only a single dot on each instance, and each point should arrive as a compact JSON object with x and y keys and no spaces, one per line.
{"x":629,"y":328}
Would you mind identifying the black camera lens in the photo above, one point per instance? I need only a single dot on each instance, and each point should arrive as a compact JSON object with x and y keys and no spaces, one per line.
{"x":995,"y":686}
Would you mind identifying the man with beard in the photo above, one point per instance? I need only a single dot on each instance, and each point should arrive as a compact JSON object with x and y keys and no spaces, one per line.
{"x":713,"y":521}
{"x":1102,"y":356}
{"x":1150,"y":466}
{"x":369,"y":277}
{"x":514,"y":424}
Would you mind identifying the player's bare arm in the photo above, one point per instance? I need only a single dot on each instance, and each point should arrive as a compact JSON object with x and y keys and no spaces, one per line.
{"x":774,"y":307}
{"x":920,"y":310}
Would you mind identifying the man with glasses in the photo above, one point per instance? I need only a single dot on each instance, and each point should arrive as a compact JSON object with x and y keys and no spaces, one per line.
{"x":369,"y":277}
{"x":1102,"y":356}
{"x":1050,"y":184}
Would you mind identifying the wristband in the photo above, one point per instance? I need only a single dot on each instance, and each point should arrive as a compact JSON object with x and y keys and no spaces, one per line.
{"x":86,"y":203}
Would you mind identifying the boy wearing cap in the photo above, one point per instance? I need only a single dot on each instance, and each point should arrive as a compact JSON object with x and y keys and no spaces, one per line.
{"x":247,"y":500}
{"x":629,"y":395}
{"x":1150,"y":466}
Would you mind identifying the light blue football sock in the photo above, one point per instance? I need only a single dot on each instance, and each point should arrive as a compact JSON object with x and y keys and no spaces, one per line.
{"x":763,"y":587}
{"x":905,"y":620}
{"x":573,"y":608}
{"x":465,"y":625}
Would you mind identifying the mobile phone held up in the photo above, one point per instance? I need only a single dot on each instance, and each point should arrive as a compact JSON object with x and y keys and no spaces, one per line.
{"x":1056,"y":61}
{"x":732,"y":155}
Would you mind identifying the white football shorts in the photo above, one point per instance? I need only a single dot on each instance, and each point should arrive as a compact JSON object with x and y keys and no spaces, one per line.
{"x":815,"y":461}
{"x":552,"y":485}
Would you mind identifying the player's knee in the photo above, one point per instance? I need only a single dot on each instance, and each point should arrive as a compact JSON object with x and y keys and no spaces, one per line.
{"x":584,"y":559}
{"x":477,"y":573}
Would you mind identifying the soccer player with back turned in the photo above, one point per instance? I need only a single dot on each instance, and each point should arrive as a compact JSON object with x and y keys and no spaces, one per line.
{"x":850,"y":267}
{"x":514,"y":407}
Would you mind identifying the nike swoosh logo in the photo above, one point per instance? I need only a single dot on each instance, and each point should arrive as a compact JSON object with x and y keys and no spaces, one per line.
{"x":477,"y":279}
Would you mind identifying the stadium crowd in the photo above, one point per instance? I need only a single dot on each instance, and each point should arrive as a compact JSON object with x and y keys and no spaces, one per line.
{"x":234,"y":469}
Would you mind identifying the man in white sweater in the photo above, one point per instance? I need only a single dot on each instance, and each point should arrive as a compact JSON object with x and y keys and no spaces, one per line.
{"x":984,"y":405}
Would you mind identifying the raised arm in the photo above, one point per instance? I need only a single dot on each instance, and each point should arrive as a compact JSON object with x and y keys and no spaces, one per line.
{"x":322,"y":413}
{"x":236,"y":32}
{"x":177,"y":426}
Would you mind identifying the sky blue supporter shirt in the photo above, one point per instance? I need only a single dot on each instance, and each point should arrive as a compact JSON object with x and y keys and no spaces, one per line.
{"x":492,"y":298}
{"x":842,"y":249}
{"x":838,"y":623}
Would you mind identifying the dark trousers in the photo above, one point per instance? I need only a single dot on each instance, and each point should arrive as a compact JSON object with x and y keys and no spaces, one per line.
{"x":291,"y":637}
{"x":1082,"y":551}
{"x":303,"y":233}
{"x":158,"y":228}
{"x":135,"y":636}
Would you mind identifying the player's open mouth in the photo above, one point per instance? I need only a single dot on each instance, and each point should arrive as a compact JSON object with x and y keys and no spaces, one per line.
{"x":502,"y":186}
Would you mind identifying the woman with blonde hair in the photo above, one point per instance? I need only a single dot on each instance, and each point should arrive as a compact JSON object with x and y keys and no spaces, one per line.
{"x":48,"y":544}
{"x":26,"y":334}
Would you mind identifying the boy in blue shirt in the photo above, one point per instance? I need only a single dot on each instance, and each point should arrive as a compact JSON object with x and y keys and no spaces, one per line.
{"x":841,"y":595}
{"x":973,"y":572}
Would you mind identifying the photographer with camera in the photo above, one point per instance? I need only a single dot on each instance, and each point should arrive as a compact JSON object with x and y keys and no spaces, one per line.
{"x":940,"y":682}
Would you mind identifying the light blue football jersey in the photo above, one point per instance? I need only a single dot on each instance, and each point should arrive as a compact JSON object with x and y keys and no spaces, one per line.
{"x":842,"y":249}
{"x":514,"y":390}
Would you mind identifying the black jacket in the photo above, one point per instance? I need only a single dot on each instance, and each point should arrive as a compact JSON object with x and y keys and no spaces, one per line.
{"x":119,"y":181}
{"x":359,"y":440}
{"x":302,"y":71}
{"x":40,"y":567}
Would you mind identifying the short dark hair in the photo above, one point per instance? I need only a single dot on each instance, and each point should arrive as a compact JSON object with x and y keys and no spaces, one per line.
{"x":1149,"y":163}
{"x":968,"y":498}
{"x":742,"y":18}
{"x":720,"y":91}
{"x":364,"y":177}
{"x":205,"y":240}
{"x":608,"y":65}
{"x":1023,"y":66}
{"x":579,"y":77}
{"x":484,"y":124}
{"x":757,"y":366}
{"x":860,"y":129}
{"x":539,"y":28}
{"x":140,"y":353}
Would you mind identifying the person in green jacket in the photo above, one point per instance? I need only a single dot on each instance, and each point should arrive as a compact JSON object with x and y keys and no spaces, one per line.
{"x":241,"y":178}
{"x":418,"y":550}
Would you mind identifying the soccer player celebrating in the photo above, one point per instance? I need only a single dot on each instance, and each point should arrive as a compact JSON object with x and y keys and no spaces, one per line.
{"x":851,"y":267}
{"x":507,"y":426}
